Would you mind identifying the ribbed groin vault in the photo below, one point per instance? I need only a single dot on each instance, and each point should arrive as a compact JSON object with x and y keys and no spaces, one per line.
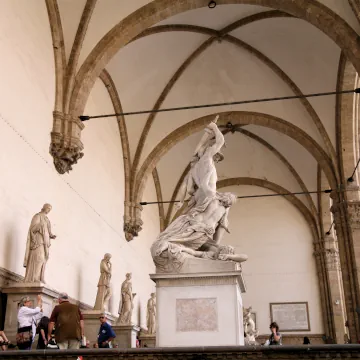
{"x":61,"y":59}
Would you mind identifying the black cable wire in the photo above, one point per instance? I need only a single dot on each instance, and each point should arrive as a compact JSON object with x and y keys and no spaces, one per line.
{"x":332,"y":224}
{"x":351,"y":178}
{"x":86,"y":117}
{"x":247,"y":196}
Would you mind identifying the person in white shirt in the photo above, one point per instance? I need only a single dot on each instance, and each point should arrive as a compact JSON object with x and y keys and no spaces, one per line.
{"x":27,"y":322}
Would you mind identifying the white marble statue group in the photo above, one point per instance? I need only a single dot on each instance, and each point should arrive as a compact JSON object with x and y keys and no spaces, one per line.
{"x":198,"y":232}
{"x":37,"y":255}
{"x":126,"y":305}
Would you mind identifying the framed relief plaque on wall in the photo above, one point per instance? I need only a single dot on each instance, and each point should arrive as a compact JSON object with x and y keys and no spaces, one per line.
{"x":291,"y":316}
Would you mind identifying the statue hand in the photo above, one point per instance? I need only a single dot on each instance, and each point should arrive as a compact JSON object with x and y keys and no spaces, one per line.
{"x":212,"y":126}
{"x":223,"y":257}
{"x":216,"y":119}
{"x":52,"y":236}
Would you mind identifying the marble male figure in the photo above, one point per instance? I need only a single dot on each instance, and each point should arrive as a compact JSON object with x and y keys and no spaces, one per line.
{"x":104,"y":289}
{"x":37,"y":246}
{"x":199,"y":231}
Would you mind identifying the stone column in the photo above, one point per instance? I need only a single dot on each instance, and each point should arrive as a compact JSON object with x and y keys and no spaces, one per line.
{"x":333,"y":272}
{"x":347,"y":226}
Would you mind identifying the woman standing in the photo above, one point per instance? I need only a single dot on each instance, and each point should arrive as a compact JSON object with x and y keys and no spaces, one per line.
{"x":42,"y":330}
{"x":27,"y":322}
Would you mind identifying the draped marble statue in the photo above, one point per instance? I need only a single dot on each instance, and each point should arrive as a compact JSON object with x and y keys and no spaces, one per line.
{"x":37,"y":246}
{"x":127,"y":301}
{"x":104,"y":289}
{"x":151,"y":315}
{"x":249,"y":327}
{"x":199,"y":231}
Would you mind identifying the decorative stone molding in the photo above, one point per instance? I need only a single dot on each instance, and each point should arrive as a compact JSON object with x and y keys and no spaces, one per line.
{"x":10,"y":279}
{"x":331,"y":258}
{"x":354,"y":213}
{"x":199,"y":279}
{"x":66,"y":146}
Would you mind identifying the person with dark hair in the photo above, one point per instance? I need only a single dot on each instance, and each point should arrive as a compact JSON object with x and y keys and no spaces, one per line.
{"x":42,"y":330}
{"x":306,"y":341}
{"x":275,"y":337}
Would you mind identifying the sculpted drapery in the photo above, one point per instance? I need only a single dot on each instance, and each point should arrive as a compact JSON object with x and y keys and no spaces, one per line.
{"x":37,"y":246}
{"x":104,"y":290}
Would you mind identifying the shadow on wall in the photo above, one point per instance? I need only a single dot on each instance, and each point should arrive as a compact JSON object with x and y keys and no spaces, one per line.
{"x":79,"y":283}
{"x":111,"y":302}
{"x":11,"y":248}
{"x":138,"y":309}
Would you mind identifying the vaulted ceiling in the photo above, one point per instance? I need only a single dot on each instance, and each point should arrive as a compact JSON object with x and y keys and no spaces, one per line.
{"x":232,"y":52}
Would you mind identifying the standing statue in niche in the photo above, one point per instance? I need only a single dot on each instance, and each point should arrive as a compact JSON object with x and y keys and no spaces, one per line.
{"x":104,"y":290}
{"x":127,"y":301}
{"x":199,"y":231}
{"x":151,"y":314}
{"x":37,"y":246}
{"x":249,"y":327}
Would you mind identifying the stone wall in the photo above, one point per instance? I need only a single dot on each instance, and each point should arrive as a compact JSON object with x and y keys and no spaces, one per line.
{"x":203,"y":353}
{"x":88,"y":203}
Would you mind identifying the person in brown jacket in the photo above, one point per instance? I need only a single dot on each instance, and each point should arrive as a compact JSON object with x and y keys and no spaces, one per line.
{"x":68,"y":322}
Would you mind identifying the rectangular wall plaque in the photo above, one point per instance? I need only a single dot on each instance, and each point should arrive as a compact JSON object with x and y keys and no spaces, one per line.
{"x":196,"y":314}
{"x":291,"y":316}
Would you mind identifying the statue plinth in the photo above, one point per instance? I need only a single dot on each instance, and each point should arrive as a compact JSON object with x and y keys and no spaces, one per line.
{"x":15,"y":292}
{"x":92,"y":323}
{"x":147,"y":340}
{"x":202,"y":307}
{"x":126,"y":335}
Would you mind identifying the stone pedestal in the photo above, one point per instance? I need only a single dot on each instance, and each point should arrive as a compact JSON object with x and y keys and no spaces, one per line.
{"x":126,"y":335}
{"x":202,"y":307}
{"x":92,"y":324}
{"x":15,"y":292}
{"x":147,"y":340}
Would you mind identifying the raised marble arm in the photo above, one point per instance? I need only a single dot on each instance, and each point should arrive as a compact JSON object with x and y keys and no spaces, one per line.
{"x":205,"y":138}
{"x":219,"y":140}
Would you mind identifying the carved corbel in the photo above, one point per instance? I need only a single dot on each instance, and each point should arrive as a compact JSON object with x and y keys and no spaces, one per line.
{"x":66,"y":146}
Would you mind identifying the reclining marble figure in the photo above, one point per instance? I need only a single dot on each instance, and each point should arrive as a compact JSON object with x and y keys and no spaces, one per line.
{"x":198,"y":232}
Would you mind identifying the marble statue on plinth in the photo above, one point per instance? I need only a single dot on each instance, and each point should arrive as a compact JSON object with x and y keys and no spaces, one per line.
{"x":151,"y":314}
{"x":127,"y":301}
{"x":199,"y":231}
{"x":37,"y":246}
{"x":104,"y":289}
{"x":249,"y":327}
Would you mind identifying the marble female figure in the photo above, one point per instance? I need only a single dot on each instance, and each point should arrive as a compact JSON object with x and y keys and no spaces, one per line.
{"x":151,"y":314}
{"x":126,"y":306}
{"x":104,"y":290}
{"x":37,"y":246}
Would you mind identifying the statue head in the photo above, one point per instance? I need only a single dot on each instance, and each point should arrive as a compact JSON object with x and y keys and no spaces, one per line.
{"x":218,"y":157}
{"x":46,"y":208}
{"x":107,"y":256}
{"x":226,"y":199}
{"x":128,"y":276}
{"x":153,"y":295}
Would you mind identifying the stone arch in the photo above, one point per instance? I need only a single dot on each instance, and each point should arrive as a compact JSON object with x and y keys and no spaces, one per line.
{"x":240,"y":118}
{"x":312,"y":11}
{"x":276,"y":189}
